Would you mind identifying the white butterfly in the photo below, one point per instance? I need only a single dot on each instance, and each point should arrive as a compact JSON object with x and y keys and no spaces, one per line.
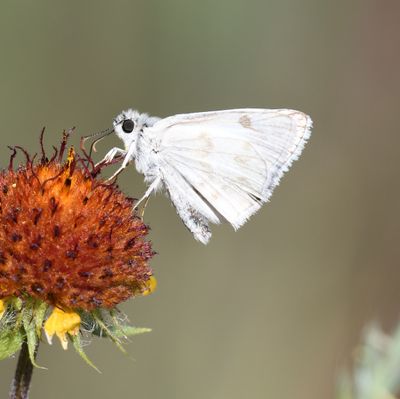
{"x":219,"y":165}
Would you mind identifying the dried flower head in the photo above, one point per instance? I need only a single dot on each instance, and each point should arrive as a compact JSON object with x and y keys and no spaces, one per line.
{"x":70,"y":243}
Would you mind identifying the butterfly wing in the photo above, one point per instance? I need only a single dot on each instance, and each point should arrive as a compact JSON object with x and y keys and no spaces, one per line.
{"x":228,"y":161}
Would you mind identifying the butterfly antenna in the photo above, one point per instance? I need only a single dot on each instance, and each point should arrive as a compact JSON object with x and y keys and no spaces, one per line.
{"x":103,"y":134}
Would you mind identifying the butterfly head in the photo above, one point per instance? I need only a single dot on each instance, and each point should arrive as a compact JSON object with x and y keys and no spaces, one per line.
{"x":129,"y":124}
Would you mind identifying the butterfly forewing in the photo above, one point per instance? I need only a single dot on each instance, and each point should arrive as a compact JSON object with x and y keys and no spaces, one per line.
{"x":231,"y":159}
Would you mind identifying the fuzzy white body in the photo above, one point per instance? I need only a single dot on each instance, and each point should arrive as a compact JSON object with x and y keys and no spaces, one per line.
{"x":214,"y":165}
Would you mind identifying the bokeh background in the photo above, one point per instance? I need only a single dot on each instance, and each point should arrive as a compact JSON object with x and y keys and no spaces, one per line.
{"x":276,"y":309}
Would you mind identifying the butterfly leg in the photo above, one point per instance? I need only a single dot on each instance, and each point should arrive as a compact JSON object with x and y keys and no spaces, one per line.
{"x":153,"y":186}
{"x":144,"y":207}
{"x":111,"y":155}
{"x":128,"y":157}
{"x":114,"y":176}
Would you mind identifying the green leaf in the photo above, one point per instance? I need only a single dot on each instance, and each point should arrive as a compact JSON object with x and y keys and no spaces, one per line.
{"x":10,"y":342}
{"x":76,"y":341}
{"x":90,"y":325}
{"x":108,"y":331}
{"x":29,"y":323}
{"x":39,"y":315}
{"x":110,"y":324}
{"x":130,"y":331}
{"x":16,"y":303}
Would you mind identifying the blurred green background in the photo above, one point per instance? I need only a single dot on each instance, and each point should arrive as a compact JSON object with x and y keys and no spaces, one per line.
{"x":275,"y":309}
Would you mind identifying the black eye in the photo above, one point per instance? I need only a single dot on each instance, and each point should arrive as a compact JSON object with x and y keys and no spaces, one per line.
{"x":128,"y":125}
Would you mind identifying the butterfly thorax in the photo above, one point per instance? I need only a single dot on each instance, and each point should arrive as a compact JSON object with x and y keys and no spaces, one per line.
{"x":147,"y":160}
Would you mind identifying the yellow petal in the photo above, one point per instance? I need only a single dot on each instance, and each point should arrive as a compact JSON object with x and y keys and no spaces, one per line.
{"x":3,"y":307}
{"x":62,"y":322}
{"x":150,"y":286}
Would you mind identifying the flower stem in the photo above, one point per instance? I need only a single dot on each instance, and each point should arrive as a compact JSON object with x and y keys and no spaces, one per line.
{"x":23,"y":374}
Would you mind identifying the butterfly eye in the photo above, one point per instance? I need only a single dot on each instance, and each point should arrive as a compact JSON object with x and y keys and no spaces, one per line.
{"x":128,"y":125}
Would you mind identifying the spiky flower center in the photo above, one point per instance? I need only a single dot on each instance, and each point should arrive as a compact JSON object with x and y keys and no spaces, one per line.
{"x":68,"y":239}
